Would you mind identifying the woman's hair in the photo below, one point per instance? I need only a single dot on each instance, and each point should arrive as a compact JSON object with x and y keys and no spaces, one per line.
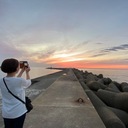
{"x":9,"y":65}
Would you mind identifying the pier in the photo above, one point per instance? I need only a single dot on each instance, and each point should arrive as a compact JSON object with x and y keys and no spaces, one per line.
{"x":64,"y":104}
{"x":72,"y":98}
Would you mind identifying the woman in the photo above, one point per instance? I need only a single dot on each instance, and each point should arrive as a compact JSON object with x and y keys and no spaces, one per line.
{"x":13,"y":110}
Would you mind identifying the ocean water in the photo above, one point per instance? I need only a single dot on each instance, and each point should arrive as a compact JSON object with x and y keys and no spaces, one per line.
{"x":119,"y":75}
{"x":114,"y":74}
{"x":35,"y":72}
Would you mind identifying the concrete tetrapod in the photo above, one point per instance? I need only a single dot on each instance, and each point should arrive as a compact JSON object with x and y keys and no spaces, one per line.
{"x":108,"y":117}
{"x":123,"y":116}
{"x":112,"y":99}
{"x":124,"y":87}
{"x":94,"y":85}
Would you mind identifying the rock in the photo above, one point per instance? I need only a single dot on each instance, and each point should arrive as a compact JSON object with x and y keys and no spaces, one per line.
{"x":100,"y":76}
{"x":124,"y":87}
{"x":100,"y":81}
{"x":85,"y":87}
{"x":112,"y":99}
{"x":94,"y":85}
{"x":122,"y":115}
{"x":91,"y":77}
{"x":85,"y":73}
{"x":118,"y":85}
{"x":107,"y":81}
{"x":113,"y":87}
{"x":108,"y":117}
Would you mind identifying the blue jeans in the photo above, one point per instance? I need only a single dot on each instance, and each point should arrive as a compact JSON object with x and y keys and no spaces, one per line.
{"x":15,"y":123}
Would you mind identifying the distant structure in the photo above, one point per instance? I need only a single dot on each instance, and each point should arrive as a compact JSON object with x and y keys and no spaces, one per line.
{"x":49,"y":67}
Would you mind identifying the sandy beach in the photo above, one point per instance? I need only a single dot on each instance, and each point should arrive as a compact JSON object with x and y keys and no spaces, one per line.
{"x":39,"y":85}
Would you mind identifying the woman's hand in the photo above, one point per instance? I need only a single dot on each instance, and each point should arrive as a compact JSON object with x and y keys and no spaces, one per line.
{"x":21,"y":72}
{"x":27,"y":69}
{"x":24,"y":69}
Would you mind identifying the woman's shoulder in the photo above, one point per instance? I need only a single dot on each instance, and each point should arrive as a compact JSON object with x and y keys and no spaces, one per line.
{"x":14,"y":79}
{"x":21,"y":79}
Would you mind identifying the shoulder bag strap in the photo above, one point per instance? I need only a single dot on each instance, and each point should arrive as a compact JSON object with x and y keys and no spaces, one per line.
{"x":12,"y":93}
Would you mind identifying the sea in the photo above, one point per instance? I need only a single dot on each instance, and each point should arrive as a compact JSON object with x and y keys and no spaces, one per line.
{"x":35,"y":72}
{"x":118,"y":75}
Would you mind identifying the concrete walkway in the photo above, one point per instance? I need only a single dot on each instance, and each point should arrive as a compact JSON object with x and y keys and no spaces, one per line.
{"x":63,"y":105}
{"x":39,"y":85}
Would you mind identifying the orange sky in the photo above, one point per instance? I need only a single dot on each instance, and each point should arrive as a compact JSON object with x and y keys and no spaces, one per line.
{"x":82,"y":65}
{"x":78,"y":59}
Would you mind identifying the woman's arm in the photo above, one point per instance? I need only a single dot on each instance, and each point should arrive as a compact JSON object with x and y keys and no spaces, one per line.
{"x":27,"y":73}
{"x":21,"y":72}
{"x":26,"y":69}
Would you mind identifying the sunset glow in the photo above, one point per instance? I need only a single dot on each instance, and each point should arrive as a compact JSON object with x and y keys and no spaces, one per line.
{"x":71,"y":33}
{"x":86,"y":66}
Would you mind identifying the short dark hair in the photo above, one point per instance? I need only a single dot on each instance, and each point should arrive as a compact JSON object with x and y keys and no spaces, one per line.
{"x":9,"y":65}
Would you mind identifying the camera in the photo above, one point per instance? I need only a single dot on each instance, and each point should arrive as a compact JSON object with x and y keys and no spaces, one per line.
{"x":23,"y":64}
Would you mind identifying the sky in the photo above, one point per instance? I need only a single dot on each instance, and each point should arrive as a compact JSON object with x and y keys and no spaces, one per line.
{"x":65,"y":33}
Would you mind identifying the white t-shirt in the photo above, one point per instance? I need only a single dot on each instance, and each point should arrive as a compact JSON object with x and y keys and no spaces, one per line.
{"x":12,"y":107}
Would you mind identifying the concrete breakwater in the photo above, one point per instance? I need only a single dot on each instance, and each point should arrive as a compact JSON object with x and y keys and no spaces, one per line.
{"x":72,"y":98}
{"x":64,"y":104}
{"x":39,"y":86}
{"x":109,"y":98}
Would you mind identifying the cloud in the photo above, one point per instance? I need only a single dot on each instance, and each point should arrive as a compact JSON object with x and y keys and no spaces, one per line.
{"x":100,"y":54}
{"x":99,"y":43}
{"x":46,"y":54}
{"x":75,"y":47}
{"x":56,"y":53}
{"x":112,"y":49}
{"x":10,"y":51}
{"x":117,"y":48}
{"x":126,"y":59}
